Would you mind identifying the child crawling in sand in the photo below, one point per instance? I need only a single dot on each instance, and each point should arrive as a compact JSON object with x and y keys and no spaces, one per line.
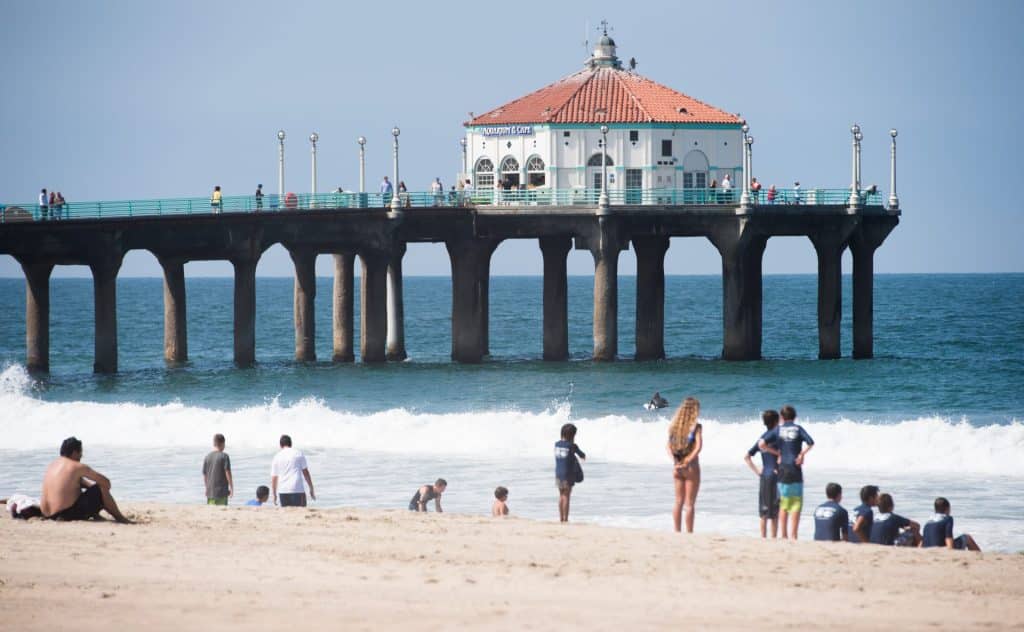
{"x":500,"y":507}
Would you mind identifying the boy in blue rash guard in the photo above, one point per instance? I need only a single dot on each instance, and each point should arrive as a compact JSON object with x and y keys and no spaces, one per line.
{"x":768,"y":476}
{"x":889,"y":528}
{"x":790,"y":439}
{"x":938,"y":531}
{"x":864,"y":515}
{"x":831,"y":522}
{"x":566,"y":468}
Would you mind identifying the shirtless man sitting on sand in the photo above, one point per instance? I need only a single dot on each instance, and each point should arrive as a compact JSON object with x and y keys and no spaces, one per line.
{"x":75,"y":491}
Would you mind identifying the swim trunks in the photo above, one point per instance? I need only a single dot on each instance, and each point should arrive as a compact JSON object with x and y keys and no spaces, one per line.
{"x":563,"y":486}
{"x":217,"y":501}
{"x":86,"y":507}
{"x":960,"y":542}
{"x":293,"y":500}
{"x":768,"y":498}
{"x":792,"y":495}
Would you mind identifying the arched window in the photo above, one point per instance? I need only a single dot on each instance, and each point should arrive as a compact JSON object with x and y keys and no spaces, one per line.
{"x":695,"y":170}
{"x":535,"y":174}
{"x":484,"y":174}
{"x":595,"y":161}
{"x":509,"y":173}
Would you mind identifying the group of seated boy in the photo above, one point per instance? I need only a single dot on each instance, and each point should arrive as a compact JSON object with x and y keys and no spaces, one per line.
{"x":832,"y":522}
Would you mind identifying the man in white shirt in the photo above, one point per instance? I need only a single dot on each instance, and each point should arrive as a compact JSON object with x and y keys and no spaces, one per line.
{"x":437,"y":189}
{"x":286,"y":473}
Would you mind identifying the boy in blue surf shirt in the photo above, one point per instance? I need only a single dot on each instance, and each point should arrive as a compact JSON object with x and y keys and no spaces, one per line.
{"x":938,"y":531}
{"x":864,"y":515}
{"x":768,"y":476}
{"x":889,"y":528}
{"x":790,"y":439}
{"x":831,"y":521}
{"x":262,"y":496}
{"x":567,"y":469}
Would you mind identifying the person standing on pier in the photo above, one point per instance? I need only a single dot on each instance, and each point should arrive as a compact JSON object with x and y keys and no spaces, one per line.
{"x":437,"y":189}
{"x":215,"y":199}
{"x":259,"y":197}
{"x":287,"y":471}
{"x":386,"y":190}
{"x":43,"y":205}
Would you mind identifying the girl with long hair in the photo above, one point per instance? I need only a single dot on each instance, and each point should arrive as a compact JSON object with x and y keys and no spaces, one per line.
{"x":685,"y":441}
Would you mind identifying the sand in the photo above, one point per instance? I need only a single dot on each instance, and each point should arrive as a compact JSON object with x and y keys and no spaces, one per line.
{"x":198,"y":567}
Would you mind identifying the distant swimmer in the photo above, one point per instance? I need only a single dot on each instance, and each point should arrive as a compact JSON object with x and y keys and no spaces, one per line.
{"x":656,"y":402}
{"x":74,"y":491}
{"x":427,"y":493}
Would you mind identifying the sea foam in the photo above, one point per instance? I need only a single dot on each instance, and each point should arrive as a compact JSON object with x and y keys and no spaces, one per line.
{"x":922,"y":445}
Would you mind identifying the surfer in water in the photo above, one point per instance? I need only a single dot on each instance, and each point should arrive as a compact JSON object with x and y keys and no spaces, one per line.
{"x":427,"y":493}
{"x":657,"y":402}
{"x":685,"y":441}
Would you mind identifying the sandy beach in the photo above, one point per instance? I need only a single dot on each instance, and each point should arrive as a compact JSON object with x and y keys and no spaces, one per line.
{"x":198,"y":567}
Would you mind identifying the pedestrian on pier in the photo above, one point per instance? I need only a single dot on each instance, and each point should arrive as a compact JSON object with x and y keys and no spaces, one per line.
{"x":771,"y":194}
{"x":403,"y":194}
{"x":755,"y":189}
{"x":437,"y":189}
{"x":61,"y":206}
{"x":796,"y":193}
{"x":386,"y":190}
{"x":726,"y":189}
{"x":44,"y":205}
{"x":259,"y":197}
{"x":216,"y":199}
{"x":54,"y":209}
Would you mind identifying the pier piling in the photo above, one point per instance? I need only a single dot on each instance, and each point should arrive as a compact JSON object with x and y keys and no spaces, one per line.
{"x":245,"y":311}
{"x":343,"y":305}
{"x":104,"y":277}
{"x":175,"y":320}
{"x":556,"y":297}
{"x":37,"y":315}
{"x":650,"y":297}
{"x":396,"y":307}
{"x":373,"y":306}
{"x":305,"y":304}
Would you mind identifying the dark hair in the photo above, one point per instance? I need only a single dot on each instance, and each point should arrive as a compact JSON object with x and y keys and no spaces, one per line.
{"x":501,"y":493}
{"x":440,"y":483}
{"x":868,"y":492}
{"x":770,"y":418}
{"x":569,"y":432}
{"x":885,"y":503}
{"x":70,"y":446}
{"x":262,"y":491}
{"x":941,"y":505}
{"x":833,"y":491}
{"x":218,"y":439}
{"x":788,"y":413}
{"x":286,"y":441}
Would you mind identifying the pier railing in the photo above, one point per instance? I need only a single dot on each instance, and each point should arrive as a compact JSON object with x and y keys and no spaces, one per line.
{"x":10,"y":213}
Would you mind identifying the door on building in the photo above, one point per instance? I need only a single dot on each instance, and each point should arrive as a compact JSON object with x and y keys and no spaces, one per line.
{"x":634,"y":186}
{"x":664,"y":183}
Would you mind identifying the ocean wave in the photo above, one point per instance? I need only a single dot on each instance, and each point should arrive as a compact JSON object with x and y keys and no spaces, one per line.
{"x":922,"y":445}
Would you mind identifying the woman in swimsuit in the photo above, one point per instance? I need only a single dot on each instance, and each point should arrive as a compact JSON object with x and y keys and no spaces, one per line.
{"x":686,"y":463}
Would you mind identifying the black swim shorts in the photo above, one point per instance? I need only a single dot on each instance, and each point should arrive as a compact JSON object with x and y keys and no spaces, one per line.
{"x":768,"y":498}
{"x":86,"y":507}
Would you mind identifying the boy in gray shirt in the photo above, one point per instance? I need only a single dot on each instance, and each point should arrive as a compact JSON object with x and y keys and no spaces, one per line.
{"x":217,"y":474}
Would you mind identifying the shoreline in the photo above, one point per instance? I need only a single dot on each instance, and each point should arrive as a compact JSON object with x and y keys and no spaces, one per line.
{"x":188,"y":567}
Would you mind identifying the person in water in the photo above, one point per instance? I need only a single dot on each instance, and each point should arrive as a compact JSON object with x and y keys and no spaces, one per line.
{"x":74,"y":491}
{"x":938,"y":531}
{"x":657,"y":401}
{"x":768,"y":476}
{"x":567,"y":469}
{"x":427,"y":493}
{"x":500,"y":507}
{"x":790,"y":439}
{"x":686,"y":462}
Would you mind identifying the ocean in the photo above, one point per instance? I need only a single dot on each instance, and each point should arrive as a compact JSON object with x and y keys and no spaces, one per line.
{"x":939,"y":411}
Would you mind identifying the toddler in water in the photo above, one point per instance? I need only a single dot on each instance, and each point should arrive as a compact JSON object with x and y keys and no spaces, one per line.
{"x":500,"y":507}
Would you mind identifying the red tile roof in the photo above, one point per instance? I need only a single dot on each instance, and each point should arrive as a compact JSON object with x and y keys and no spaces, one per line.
{"x":624,"y":96}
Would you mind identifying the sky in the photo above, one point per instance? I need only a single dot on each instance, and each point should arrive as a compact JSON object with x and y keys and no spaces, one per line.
{"x":127,"y":99}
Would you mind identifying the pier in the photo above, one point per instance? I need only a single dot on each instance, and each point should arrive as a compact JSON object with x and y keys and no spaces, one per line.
{"x":376,"y":229}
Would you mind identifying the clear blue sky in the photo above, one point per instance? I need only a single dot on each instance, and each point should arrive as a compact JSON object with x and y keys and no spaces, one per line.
{"x":121,"y":99}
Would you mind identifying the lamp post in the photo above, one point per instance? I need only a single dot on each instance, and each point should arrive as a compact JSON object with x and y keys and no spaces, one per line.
{"x":854,"y":185}
{"x":362,"y":163}
{"x":745,"y":195}
{"x":462,"y":141}
{"x":860,"y":182}
{"x":312,"y":141}
{"x":280,"y":167}
{"x":750,"y":164}
{"x":603,"y":200}
{"x":396,"y":203}
{"x":894,"y":200}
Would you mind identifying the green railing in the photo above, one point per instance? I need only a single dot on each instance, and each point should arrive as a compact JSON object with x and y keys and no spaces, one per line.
{"x":291,"y":202}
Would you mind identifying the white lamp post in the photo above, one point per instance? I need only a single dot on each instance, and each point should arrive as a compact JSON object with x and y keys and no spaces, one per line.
{"x":894,"y":200}
{"x":750,"y":163}
{"x":854,"y":185}
{"x":312,"y":141}
{"x":860,"y":181}
{"x":603,"y":200}
{"x":462,"y":141}
{"x":280,"y":167}
{"x":362,"y":163}
{"x":396,"y":203}
{"x":745,"y":195}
